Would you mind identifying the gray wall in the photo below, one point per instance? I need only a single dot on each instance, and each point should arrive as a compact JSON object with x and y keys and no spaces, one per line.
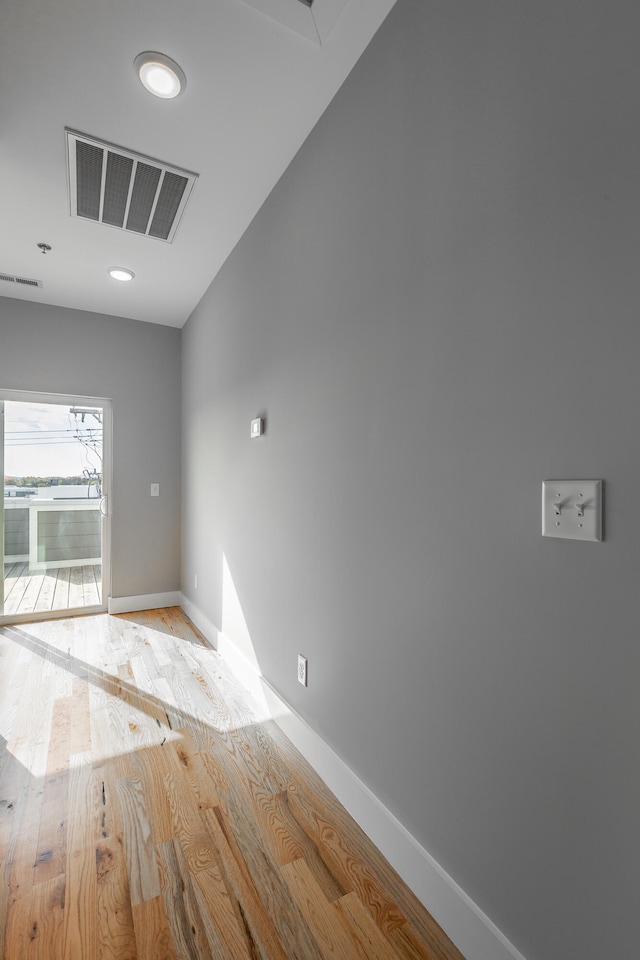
{"x":137,"y":366}
{"x":436,"y":309}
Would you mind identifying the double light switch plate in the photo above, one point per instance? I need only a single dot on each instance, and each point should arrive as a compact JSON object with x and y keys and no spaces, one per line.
{"x":572,"y":509}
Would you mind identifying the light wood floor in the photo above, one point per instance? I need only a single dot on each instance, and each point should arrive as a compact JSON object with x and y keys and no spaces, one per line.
{"x":54,"y":589}
{"x":146,"y":815}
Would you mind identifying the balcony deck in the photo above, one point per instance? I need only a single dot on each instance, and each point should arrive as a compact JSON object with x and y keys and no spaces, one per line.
{"x":62,"y":588}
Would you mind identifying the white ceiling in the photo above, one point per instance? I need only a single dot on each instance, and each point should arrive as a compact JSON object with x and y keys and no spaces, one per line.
{"x":259,"y":75}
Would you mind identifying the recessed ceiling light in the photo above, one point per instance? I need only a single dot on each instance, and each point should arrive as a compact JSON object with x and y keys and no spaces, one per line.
{"x":159,"y":74}
{"x":120,"y":273}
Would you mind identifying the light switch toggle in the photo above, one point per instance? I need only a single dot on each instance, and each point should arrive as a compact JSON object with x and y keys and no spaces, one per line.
{"x":580,"y":508}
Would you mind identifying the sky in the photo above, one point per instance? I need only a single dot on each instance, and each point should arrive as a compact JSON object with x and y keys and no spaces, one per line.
{"x":39,"y":441}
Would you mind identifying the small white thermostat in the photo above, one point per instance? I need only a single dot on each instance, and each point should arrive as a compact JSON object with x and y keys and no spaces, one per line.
{"x":257,"y":427}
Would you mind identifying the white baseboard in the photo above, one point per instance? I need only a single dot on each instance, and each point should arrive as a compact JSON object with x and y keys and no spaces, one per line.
{"x":474,"y":934}
{"x":146,"y":601}
{"x":204,"y":625}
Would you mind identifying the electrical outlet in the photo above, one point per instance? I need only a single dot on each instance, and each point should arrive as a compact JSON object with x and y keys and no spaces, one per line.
{"x":302,"y":670}
{"x":195,"y":581}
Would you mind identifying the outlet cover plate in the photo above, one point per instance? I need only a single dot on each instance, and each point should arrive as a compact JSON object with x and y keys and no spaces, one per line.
{"x":563,"y":501}
{"x":302,"y":670}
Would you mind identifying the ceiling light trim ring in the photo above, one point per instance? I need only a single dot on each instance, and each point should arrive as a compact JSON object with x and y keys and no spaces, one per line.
{"x":160,"y":75}
{"x":122,"y":274}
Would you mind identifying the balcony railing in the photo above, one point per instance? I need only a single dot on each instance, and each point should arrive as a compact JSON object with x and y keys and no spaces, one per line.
{"x":50,"y":534}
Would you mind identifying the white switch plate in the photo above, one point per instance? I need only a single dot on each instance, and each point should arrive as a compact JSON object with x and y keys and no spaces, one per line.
{"x":256,"y":427}
{"x":572,"y":509}
{"x":155,"y":489}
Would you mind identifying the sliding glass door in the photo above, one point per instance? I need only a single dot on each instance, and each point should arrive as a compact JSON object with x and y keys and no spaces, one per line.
{"x":54,"y":456}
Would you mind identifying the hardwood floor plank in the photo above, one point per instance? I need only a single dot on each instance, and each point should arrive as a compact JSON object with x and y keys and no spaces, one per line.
{"x":51,"y":853}
{"x":188,"y":826}
{"x":32,"y":721}
{"x":224,"y":922}
{"x":142,"y":870}
{"x":373,"y":943}
{"x":109,"y":729}
{"x":85,"y":805}
{"x":116,"y":936}
{"x":13,"y":674}
{"x":15,"y":781}
{"x":181,"y":906}
{"x":36,"y":923}
{"x":271,"y":919}
{"x":182,"y":713}
{"x":84,"y":826}
{"x":151,"y":766}
{"x":153,"y":936}
{"x":257,"y":925}
{"x":59,"y":750}
{"x":342,"y":861}
{"x":192,"y":764}
{"x":335,"y":938}
{"x":80,"y":740}
{"x":412,"y":944}
{"x":107,"y":775}
{"x":29,"y":764}
{"x":146,"y":814}
{"x":289,"y":842}
{"x":80,"y":909}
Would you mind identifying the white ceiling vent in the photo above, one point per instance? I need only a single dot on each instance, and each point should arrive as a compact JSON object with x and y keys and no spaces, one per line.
{"x":123,"y":189}
{"x":21,"y":281}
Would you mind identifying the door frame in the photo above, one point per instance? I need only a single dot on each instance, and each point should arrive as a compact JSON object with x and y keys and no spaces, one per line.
{"x":31,"y":396}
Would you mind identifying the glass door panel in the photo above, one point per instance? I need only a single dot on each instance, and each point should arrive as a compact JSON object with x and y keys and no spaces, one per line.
{"x":53,"y":528}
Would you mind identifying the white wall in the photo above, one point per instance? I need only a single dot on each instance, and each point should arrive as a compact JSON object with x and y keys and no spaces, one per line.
{"x":137,"y":366}
{"x":437,"y":309}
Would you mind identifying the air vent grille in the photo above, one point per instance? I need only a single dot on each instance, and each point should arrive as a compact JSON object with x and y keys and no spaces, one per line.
{"x":25,"y":281}
{"x":123,"y":189}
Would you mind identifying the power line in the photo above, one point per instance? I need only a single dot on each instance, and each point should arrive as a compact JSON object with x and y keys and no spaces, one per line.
{"x":26,"y":434}
{"x":53,"y":442}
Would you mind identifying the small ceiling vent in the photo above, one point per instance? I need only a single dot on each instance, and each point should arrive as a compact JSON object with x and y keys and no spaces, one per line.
{"x":24,"y":281}
{"x":123,"y":189}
